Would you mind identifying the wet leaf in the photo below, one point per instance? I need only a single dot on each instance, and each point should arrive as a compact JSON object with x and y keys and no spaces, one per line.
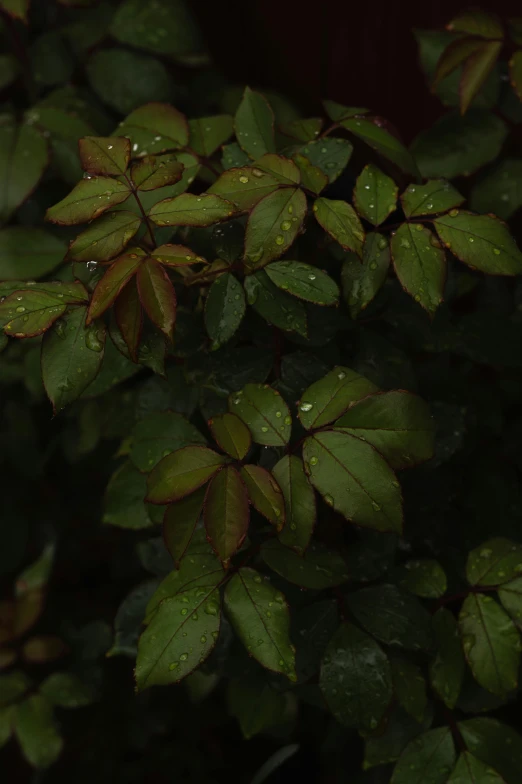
{"x":264,"y":412}
{"x":304,"y":282}
{"x":28,"y":253}
{"x":317,"y":569}
{"x":164,"y":28}
{"x":372,"y":133}
{"x":495,"y":562}
{"x":303,"y":130}
{"x":179,"y":524}
{"x":157,"y":295}
{"x":123,"y":502}
{"x":106,"y":238}
{"x":499,"y":189}
{"x":159,"y":434}
{"x":423,"y":577}
{"x":447,"y":669}
{"x":231,"y":435}
{"x":129,"y":618}
{"x":273,"y":225}
{"x":226,"y":513}
{"x":510,"y":594}
{"x":375,"y":195}
{"x":409,"y":686}
{"x":182,"y":472}
{"x":274,"y":305}
{"x":282,"y":169}
{"x":87,"y":200}
{"x":496,"y":744}
{"x":254,"y":124}
{"x":28,"y":313}
{"x":340,"y":221}
{"x":327,"y":399}
{"x":112,"y":282}
{"x":470,"y":770}
{"x":361,"y":280}
{"x":312,"y":178}
{"x":244,"y":186}
{"x":23,"y":160}
{"x":264,"y":494}
{"x":129,"y":317}
{"x":429,"y":199}
{"x":329,"y":155}
{"x":224,"y":309}
{"x":191,"y":210}
{"x":207,"y":134}
{"x":134,"y":79}
{"x":156,"y":171}
{"x":482,"y":241}
{"x":428,"y":759}
{"x":420,"y":264}
{"x":299,"y":497}
{"x":155,"y":127}
{"x":105,"y":155}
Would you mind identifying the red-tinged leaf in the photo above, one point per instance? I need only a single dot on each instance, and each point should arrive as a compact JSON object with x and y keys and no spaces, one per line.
{"x":23,"y":159}
{"x":112,"y":283}
{"x":182,"y":472}
{"x":191,"y":210}
{"x":299,"y":496}
{"x":515,"y":73}
{"x":18,"y":9}
{"x":156,"y":127}
{"x":283,"y":169}
{"x":179,"y":524}
{"x":453,"y":56}
{"x":340,"y":221}
{"x":476,"y":22}
{"x":157,"y":295}
{"x":88,"y":199}
{"x":129,"y":316}
{"x":226,"y":513}
{"x":176,"y":256}
{"x":476,"y":70}
{"x":231,"y":434}
{"x":106,"y":238}
{"x":25,"y":314}
{"x":156,"y":171}
{"x":105,"y":155}
{"x":265,"y":494}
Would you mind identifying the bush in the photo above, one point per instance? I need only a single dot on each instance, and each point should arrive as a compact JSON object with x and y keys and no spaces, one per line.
{"x":291,"y":344}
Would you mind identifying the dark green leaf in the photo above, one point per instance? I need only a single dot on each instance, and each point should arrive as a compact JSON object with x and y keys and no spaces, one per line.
{"x":106,"y":238}
{"x":110,"y":285}
{"x":424,"y":577}
{"x":226,"y":513}
{"x":428,"y":759}
{"x":510,"y":595}
{"x":304,"y":282}
{"x":207,"y":134}
{"x":499,"y":190}
{"x":274,"y":305}
{"x":282,"y":169}
{"x":375,"y":195}
{"x":224,"y":308}
{"x":340,"y":221}
{"x":191,"y":210}
{"x":179,"y":524}
{"x":299,"y":499}
{"x":495,"y":744}
{"x":337,"y":111}
{"x":314,"y":627}
{"x":90,"y":198}
{"x":231,"y":435}
{"x":429,"y":199}
{"x":23,"y":160}
{"x":420,"y":264}
{"x":273,"y":225}
{"x":135,"y":79}
{"x":362,"y":279}
{"x":318,"y":568}
{"x":244,"y":186}
{"x":254,"y":124}
{"x":123,"y":503}
{"x":129,"y":618}
{"x":459,"y":50}
{"x":255,"y":705}
{"x":66,"y":690}
{"x":303,"y":130}
{"x":327,"y":399}
{"x":476,"y":70}
{"x":470,"y":770}
{"x":164,"y":28}
{"x":372,"y":132}
{"x":129,"y":317}
{"x":28,"y":313}
{"x":13,"y":686}
{"x":182,"y":472}
{"x":156,"y":171}
{"x":312,"y":178}
{"x":28,"y":253}
{"x":105,"y":155}
{"x":264,"y":412}
{"x":329,"y":155}
{"x":495,"y":562}
{"x":37,"y":732}
{"x":160,"y":434}
{"x":388,"y":746}
{"x":264,"y":493}
{"x":154,"y":128}
{"x":233,"y":156}
{"x":447,"y":669}
{"x":157,"y":295}
{"x":409,"y":686}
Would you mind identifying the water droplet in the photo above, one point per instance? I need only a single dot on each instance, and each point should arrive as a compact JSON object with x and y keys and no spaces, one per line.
{"x":383,"y":243}
{"x":329,"y":500}
{"x":92,"y":341}
{"x":278,"y":414}
{"x":203,"y":639}
{"x":306,"y":407}
{"x":341,"y":375}
{"x":212,"y":608}
{"x":257,"y":173}
{"x":173,"y":665}
{"x":20,"y":309}
{"x":471,"y":239}
{"x":264,"y":429}
{"x":311,"y":277}
{"x":314,"y":460}
{"x":279,"y":240}
{"x":184,"y":611}
{"x":453,"y":213}
{"x":288,"y":420}
{"x":376,"y":506}
{"x":268,"y":614}
{"x":183,"y":657}
{"x":419,"y":226}
{"x":373,"y":265}
{"x":243,"y":179}
{"x":496,"y":251}
{"x":405,"y":243}
{"x":257,"y":578}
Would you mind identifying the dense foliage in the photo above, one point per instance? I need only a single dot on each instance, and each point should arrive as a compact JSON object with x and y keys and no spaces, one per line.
{"x":283,"y":355}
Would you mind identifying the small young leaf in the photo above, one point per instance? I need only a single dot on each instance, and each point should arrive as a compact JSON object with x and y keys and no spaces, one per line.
{"x":244,"y":187}
{"x":429,"y":199}
{"x":423,"y":577}
{"x":329,"y":155}
{"x":470,"y":770}
{"x":372,"y":133}
{"x":327,"y":399}
{"x":23,"y":160}
{"x":207,"y":134}
{"x":375,"y":195}
{"x":231,"y":435}
{"x":481,"y":241}
{"x":420,"y":264}
{"x":110,"y":285}
{"x":25,"y":314}
{"x":362,"y":280}
{"x":299,"y":496}
{"x":28,"y":253}
{"x":264,"y":412}
{"x":491,"y":644}
{"x":304,"y":282}
{"x":226,"y":513}
{"x":260,"y":617}
{"x":159,"y":433}
{"x":179,"y":524}
{"x":476,"y":70}
{"x":106,"y":238}
{"x":88,"y":199}
{"x":254,"y":124}
{"x":495,"y":562}
{"x":105,"y":155}
{"x":224,"y":309}
{"x":182,"y":472}
{"x":273,"y":225}
{"x":340,"y":221}
{"x":447,"y":669}
{"x":191,"y":210}
{"x":410,"y":687}
{"x":157,"y":295}
{"x":398,"y":424}
{"x":274,"y":305}
{"x":317,"y":569}
{"x":129,"y":316}
{"x":156,"y":171}
{"x":37,"y":732}
{"x":428,"y":759}
{"x":71,"y":357}
{"x":355,"y":678}
{"x":264,"y":494}
{"x":164,"y":654}
{"x":255,"y":705}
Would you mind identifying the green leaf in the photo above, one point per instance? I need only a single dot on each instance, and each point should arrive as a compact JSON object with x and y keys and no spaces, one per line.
{"x":398,"y":424}
{"x":245,"y":186}
{"x":191,"y":210}
{"x":372,"y":133}
{"x":304,"y":282}
{"x":260,"y":617}
{"x":231,"y":435}
{"x":481,"y":241}
{"x":155,"y":127}
{"x":454,"y":55}
{"x":129,"y":618}
{"x":165,"y":655}
{"x":375,"y":195}
{"x":495,"y":744}
{"x":156,"y":171}
{"x":255,"y":705}
{"x":447,"y":669}
{"x":340,"y":221}
{"x":491,"y":644}
{"x":225,"y":308}
{"x":495,"y":562}
{"x":428,"y":759}
{"x":329,"y":155}
{"x":312,"y":178}
{"x":110,"y":285}
{"x":476,"y":22}
{"x":23,"y":160}
{"x":37,"y":732}
{"x":71,"y":357}
{"x":6,"y":721}
{"x":429,"y":199}
{"x":129,"y":317}
{"x":18,"y":9}
{"x":299,"y":497}
{"x":515,"y":73}
{"x":476,"y":70}
{"x":13,"y":686}
{"x":207,"y":134}
{"x":423,"y":577}
{"x":284,"y":170}
{"x":135,"y":79}
{"x":356,"y":678}
{"x":409,"y":686}
{"x":273,"y":225}
{"x":123,"y":503}
{"x":66,"y":690}
{"x":456,"y":145}
{"x":233,"y":156}
{"x":327,"y":399}
{"x":157,"y":295}
{"x":226,"y":513}
{"x":159,"y":434}
{"x":179,"y":524}
{"x":28,"y":313}
{"x":88,"y":199}
{"x":264,"y":494}
{"x":393,"y":616}
{"x":106,"y":238}
{"x":182,"y":472}
{"x":105,"y":155}
{"x":254,"y":124}
{"x":337,"y":111}
{"x":264,"y":412}
{"x":387,"y":746}
{"x":361,"y":280}
{"x":420,"y":264}
{"x":175,"y":256}
{"x":317,"y":569}
{"x":470,"y":770}
{"x":303,"y":130}
{"x":274,"y":305}
{"x":510,"y":595}
{"x":64,"y":127}
{"x":28,"y":253}
{"x":164,"y":28}
{"x":499,"y":190}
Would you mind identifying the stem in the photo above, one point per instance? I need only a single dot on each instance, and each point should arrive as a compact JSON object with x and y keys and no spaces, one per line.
{"x":457,"y":735}
{"x":143,"y":213}
{"x":444,"y":600}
